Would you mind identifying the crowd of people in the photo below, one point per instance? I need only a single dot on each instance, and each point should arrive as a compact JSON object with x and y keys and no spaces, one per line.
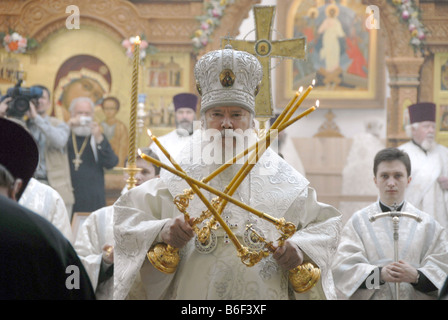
{"x":395,"y":248}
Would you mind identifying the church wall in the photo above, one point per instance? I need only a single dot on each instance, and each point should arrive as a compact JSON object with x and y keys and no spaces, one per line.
{"x":325,"y":166}
{"x":350,"y":121}
{"x":101,"y":35}
{"x":65,"y":44}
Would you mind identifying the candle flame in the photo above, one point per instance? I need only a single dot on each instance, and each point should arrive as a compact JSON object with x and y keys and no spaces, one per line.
{"x":300,"y":89}
{"x":149,"y":132}
{"x":314,"y":82}
{"x":139,"y":152}
{"x":317,"y":103}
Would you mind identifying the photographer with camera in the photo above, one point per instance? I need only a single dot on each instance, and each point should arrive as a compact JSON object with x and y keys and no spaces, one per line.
{"x":89,"y":154}
{"x":50,"y":134}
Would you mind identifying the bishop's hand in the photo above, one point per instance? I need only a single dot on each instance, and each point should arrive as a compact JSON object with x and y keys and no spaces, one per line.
{"x":177,"y":232}
{"x":288,"y":256}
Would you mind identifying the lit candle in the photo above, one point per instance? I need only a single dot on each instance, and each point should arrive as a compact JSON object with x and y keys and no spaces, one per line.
{"x":164,"y":151}
{"x":286,"y":110}
{"x":286,"y":114}
{"x":133,"y":113}
{"x":299,"y":102}
{"x":250,"y":163}
{"x":195,"y":189}
{"x":300,"y":116}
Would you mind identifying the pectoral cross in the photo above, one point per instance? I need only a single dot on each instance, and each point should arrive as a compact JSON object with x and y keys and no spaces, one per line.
{"x":264,"y":48}
{"x":77,"y":162}
{"x":395,"y":207}
{"x":227,"y":215}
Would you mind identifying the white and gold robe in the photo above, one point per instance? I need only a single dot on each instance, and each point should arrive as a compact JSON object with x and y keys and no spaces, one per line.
{"x":424,"y":192}
{"x":273,"y":187}
{"x":45,"y":201}
{"x":366,"y":245}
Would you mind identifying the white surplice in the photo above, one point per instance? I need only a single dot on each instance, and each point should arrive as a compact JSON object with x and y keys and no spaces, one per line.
{"x":96,"y":231}
{"x":289,"y":152}
{"x":47,"y":202}
{"x":273,"y":187}
{"x":367,"y":245}
{"x":424,"y":191}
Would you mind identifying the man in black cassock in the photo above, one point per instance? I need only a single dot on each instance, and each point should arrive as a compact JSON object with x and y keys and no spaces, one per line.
{"x":37,"y":261}
{"x":89,"y":153}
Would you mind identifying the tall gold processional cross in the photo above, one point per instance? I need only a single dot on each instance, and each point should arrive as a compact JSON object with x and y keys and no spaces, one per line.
{"x":264,"y":48}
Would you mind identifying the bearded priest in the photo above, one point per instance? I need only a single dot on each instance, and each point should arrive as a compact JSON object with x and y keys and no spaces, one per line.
{"x":227,"y":81}
{"x":428,"y":190}
{"x":89,"y":153}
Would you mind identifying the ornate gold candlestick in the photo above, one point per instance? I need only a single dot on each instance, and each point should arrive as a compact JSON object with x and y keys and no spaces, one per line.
{"x":164,"y":257}
{"x":304,"y":277}
{"x":197,"y":191}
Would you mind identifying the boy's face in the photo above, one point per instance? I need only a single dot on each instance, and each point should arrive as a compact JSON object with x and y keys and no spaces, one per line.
{"x":391,"y":180}
{"x":148,"y":171}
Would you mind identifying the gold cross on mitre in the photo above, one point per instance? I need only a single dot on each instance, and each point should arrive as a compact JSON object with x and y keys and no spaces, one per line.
{"x":264,"y":48}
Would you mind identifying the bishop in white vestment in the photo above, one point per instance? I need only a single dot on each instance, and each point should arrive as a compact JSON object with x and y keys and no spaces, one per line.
{"x":213,"y":270}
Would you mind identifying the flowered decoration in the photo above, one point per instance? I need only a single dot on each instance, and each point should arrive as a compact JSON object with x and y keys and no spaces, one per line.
{"x":214,"y":11}
{"x":145,"y":47}
{"x":15,"y":43}
{"x":409,"y":13}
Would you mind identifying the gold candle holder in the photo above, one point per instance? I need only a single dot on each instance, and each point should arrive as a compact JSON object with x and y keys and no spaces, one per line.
{"x":304,"y":277}
{"x":151,"y":255}
{"x":131,"y":170}
{"x":164,"y":257}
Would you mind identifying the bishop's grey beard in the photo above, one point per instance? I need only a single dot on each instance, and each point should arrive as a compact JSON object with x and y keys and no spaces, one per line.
{"x":221,"y":146}
{"x":82,"y":131}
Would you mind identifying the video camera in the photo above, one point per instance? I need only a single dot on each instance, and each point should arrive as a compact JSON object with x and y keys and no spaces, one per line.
{"x":21,"y":97}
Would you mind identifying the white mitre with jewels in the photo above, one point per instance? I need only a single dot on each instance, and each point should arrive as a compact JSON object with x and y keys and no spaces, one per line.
{"x":228,"y":77}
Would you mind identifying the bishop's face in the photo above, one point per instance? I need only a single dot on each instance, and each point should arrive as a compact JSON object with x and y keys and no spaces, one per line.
{"x":391,"y":180}
{"x":228,"y":117}
{"x":227,"y":120}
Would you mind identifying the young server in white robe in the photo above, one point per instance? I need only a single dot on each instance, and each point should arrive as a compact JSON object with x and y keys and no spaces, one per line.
{"x":95,"y":240}
{"x":47,"y":202}
{"x":365,"y":266}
